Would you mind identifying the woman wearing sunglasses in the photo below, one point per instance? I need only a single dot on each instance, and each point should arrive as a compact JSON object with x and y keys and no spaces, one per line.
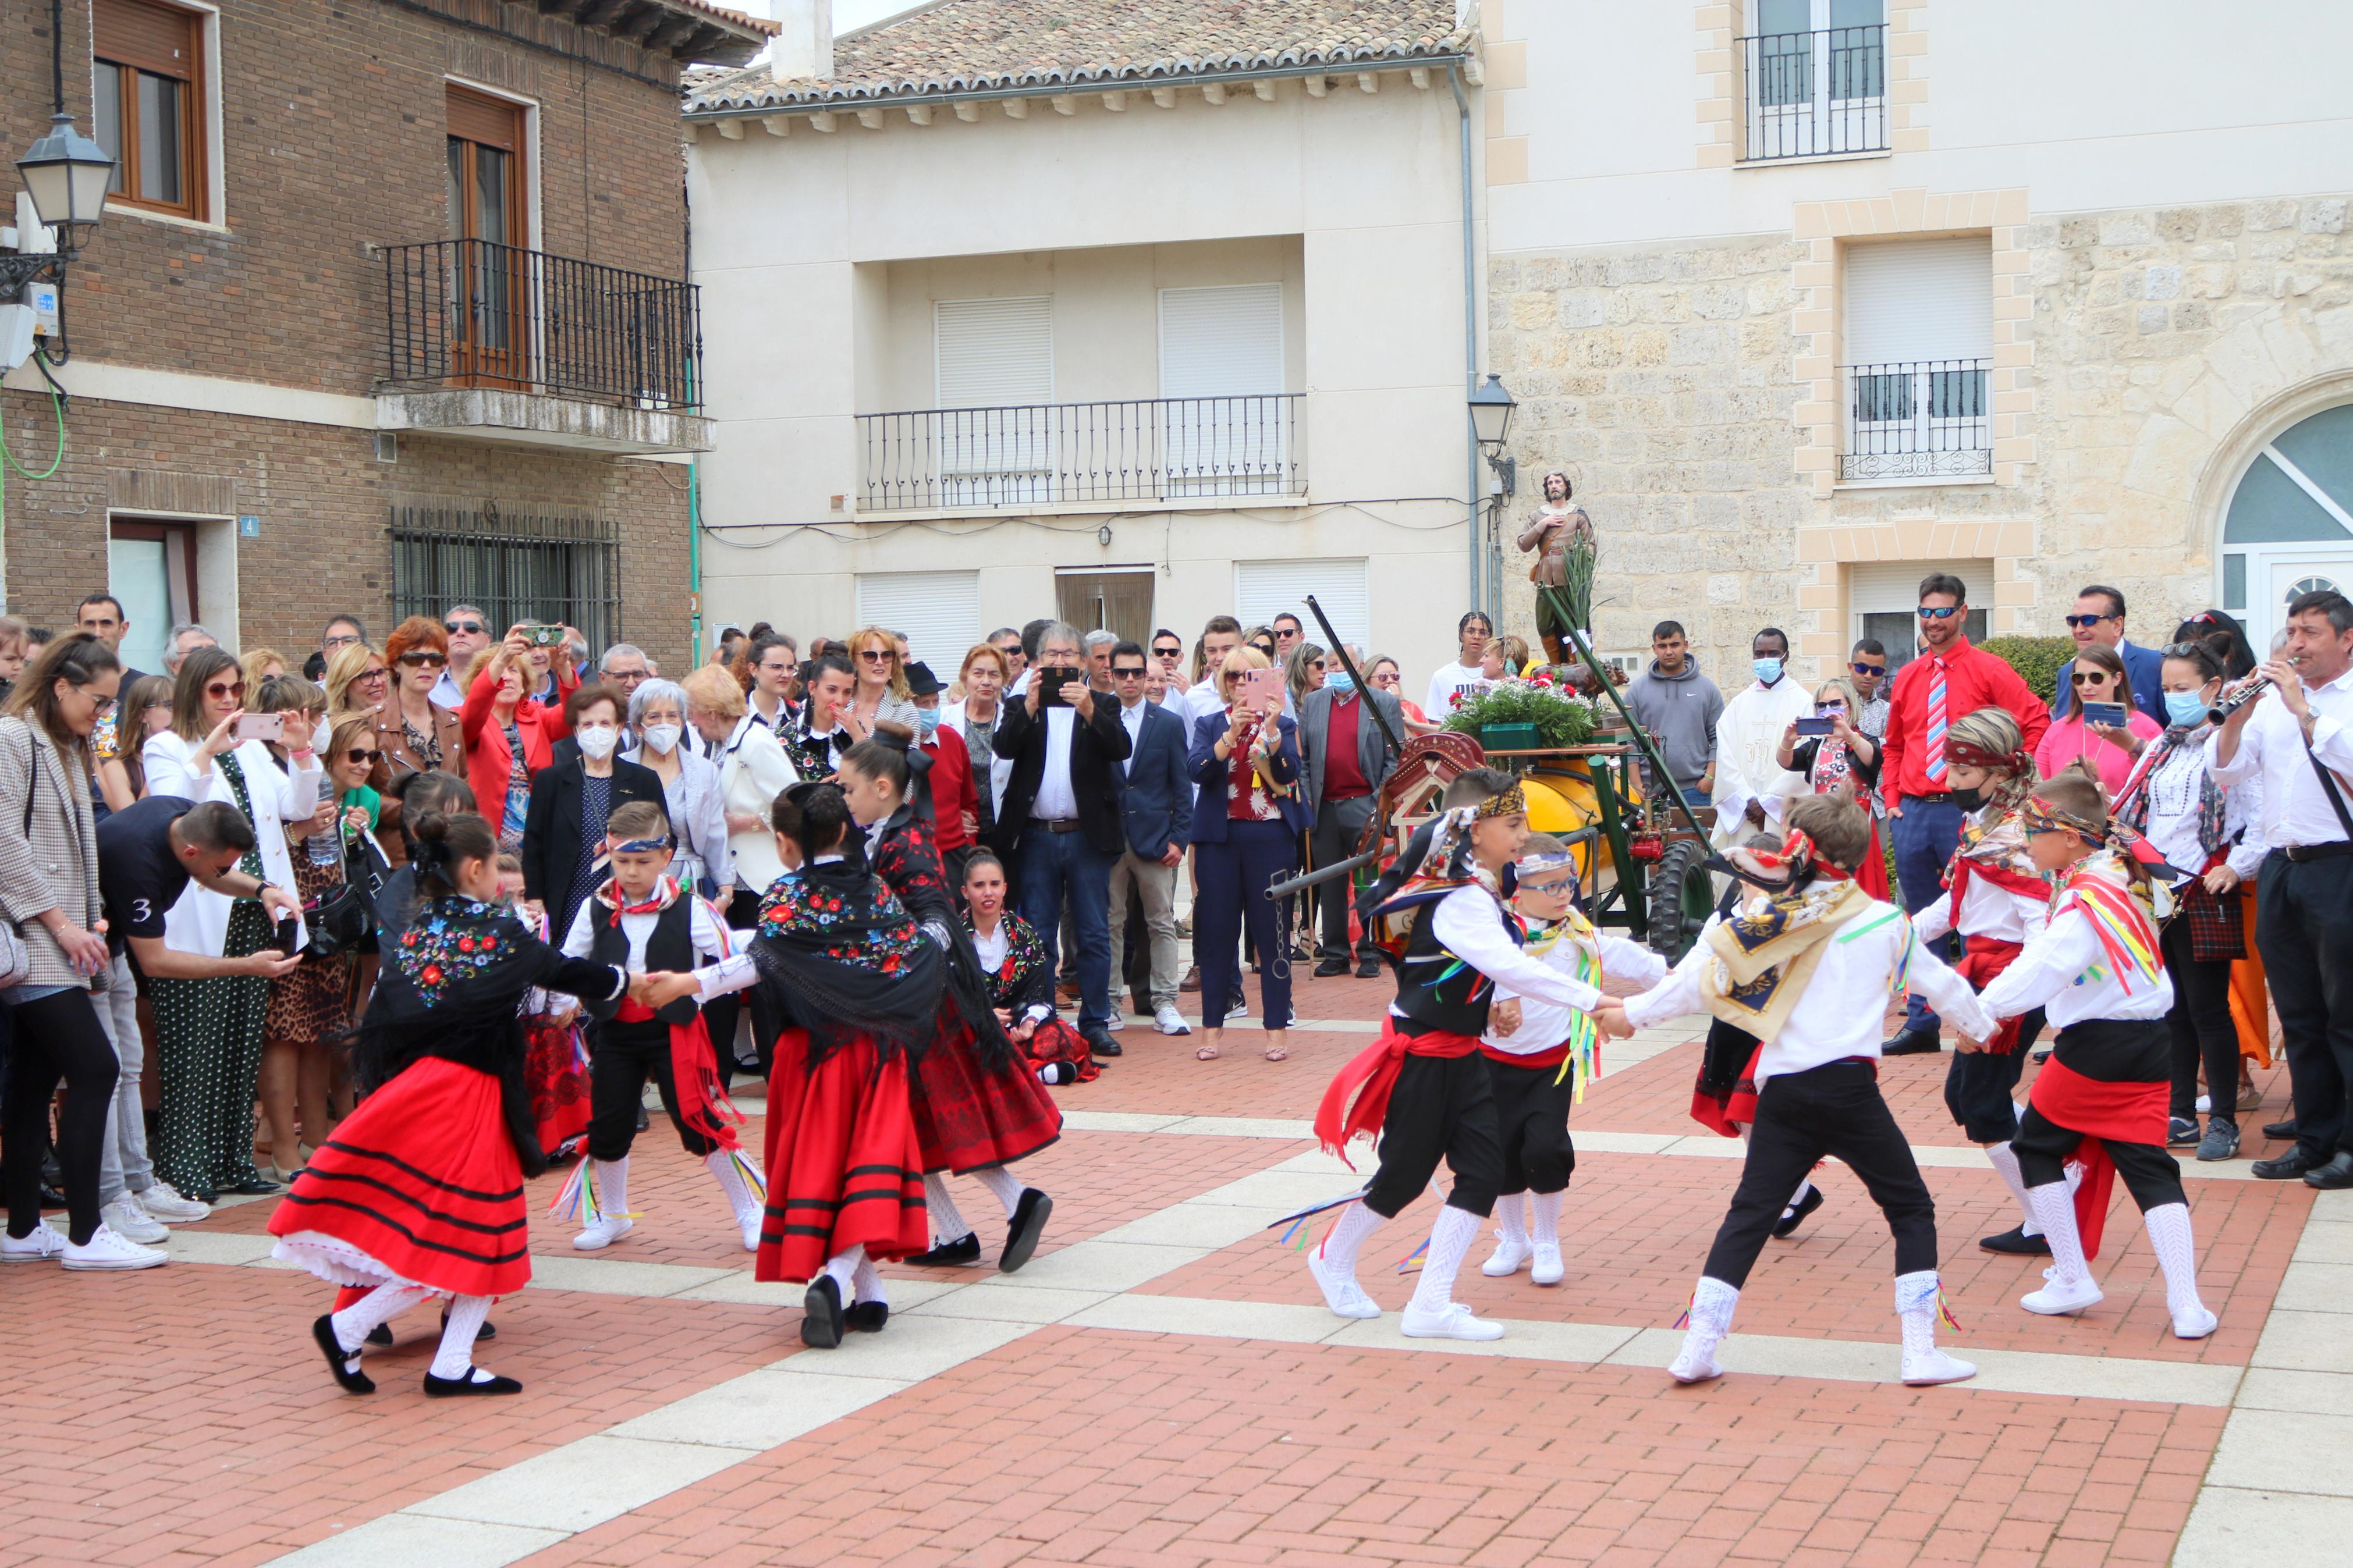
{"x":357,"y":679}
{"x":209,"y":1031}
{"x":412,"y":730}
{"x":881,"y":696}
{"x":2098,"y":677}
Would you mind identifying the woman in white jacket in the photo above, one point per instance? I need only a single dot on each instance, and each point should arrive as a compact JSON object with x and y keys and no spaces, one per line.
{"x":209,"y":1031}
{"x":753,"y":772}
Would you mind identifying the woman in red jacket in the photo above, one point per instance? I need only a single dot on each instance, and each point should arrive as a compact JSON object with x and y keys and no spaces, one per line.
{"x":509,"y":737}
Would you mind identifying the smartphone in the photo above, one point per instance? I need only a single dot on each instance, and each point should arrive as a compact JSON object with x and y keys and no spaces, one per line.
{"x":1051,"y":679}
{"x":288,"y":940}
{"x":1260,"y":687}
{"x":545,"y":636}
{"x":1824,"y":725}
{"x":261,"y":726}
{"x":2111,"y":713}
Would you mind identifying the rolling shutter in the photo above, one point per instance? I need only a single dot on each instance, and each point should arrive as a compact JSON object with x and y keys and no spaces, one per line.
{"x":1883,"y":597}
{"x":992,"y":353}
{"x":1925,"y":299}
{"x":1222,"y":342}
{"x":1265,"y":589}
{"x":937,"y":612}
{"x":151,"y":37}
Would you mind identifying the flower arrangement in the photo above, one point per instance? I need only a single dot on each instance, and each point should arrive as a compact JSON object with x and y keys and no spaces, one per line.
{"x":1559,"y":718}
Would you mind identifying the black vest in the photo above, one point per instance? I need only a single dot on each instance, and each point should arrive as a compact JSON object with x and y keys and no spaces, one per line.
{"x":671,"y":947}
{"x":1456,"y":1004}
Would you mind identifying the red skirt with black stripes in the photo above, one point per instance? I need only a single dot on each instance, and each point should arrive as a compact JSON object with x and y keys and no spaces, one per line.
{"x":844,"y":1166}
{"x":422,"y":1181}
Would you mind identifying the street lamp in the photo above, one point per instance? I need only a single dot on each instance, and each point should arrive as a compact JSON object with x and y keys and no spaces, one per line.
{"x":66,"y":175}
{"x":1490,"y":419}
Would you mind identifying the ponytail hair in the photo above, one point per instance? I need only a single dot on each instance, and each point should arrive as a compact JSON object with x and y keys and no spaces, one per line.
{"x":880,"y":760}
{"x":77,"y":661}
{"x":442,"y":841}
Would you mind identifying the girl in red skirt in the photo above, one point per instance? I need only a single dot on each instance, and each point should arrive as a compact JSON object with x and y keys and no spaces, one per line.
{"x":420,"y":1191}
{"x":556,"y":1059}
{"x":1021,"y":985}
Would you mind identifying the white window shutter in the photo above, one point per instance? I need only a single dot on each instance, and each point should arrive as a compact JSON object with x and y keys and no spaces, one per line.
{"x":1265,"y":589}
{"x":1222,"y":342}
{"x":937,"y":612}
{"x":1923,"y":300}
{"x":991,"y":354}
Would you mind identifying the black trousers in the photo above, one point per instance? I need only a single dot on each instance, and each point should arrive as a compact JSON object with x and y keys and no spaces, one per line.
{"x":1532,"y":1116}
{"x":2304,"y":924}
{"x":719,"y":1016}
{"x":57,"y":1037}
{"x":1338,"y":825}
{"x":1442,"y":1106}
{"x":621,"y":1057}
{"x":1835,"y":1109}
{"x":2109,"y":1050}
{"x":2201,"y":1027}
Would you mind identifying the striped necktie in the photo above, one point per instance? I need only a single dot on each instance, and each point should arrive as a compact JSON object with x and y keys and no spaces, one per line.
{"x":1936,"y":720}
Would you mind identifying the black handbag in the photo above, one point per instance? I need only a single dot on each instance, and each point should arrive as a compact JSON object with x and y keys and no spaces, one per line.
{"x":338,"y":921}
{"x":365,"y":871}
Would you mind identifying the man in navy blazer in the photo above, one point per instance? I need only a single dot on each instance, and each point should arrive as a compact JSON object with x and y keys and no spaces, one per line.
{"x":2098,"y":619}
{"x":1156,"y":811}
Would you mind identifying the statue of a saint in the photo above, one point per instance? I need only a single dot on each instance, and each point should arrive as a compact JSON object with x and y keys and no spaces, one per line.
{"x":1562,"y":536}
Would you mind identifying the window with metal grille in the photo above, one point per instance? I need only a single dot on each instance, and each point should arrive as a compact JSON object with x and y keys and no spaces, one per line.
{"x":518,"y":565}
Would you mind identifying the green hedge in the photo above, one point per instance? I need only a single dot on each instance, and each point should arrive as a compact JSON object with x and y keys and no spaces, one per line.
{"x":2036,"y":659}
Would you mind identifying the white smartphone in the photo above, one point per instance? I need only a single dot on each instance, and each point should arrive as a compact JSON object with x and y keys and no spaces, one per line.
{"x":261,"y":726}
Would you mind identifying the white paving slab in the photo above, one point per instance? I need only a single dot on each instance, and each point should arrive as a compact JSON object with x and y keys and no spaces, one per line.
{"x":744,"y":1290}
{"x":1118,"y":1121}
{"x":1999,"y":1372}
{"x":2310,"y":1287}
{"x":2316,"y":1392}
{"x":2305,"y":1341}
{"x":1283,"y":1191}
{"x":232,"y":1247}
{"x":1093,"y":1265}
{"x":1027,"y":1304}
{"x":760,"y":1410}
{"x":1245,"y":1127}
{"x":406,"y":1540}
{"x":1522,"y":1339}
{"x":1212,"y":1318}
{"x":582,"y":1484}
{"x":2231,"y":1527}
{"x":2324,"y":1244}
{"x":619,"y":1277}
{"x":1207,"y":1226}
{"x":911,"y":1349}
{"x":2285,"y":1451}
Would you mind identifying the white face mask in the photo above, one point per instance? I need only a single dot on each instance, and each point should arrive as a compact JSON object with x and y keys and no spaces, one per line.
{"x":597,"y":741}
{"x":663,"y":738}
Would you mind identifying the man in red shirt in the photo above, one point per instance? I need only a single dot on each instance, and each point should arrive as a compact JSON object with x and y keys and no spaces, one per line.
{"x":1348,"y":756}
{"x":1948,"y":679}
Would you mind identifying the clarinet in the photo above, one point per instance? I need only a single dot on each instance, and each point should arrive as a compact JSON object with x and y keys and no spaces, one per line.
{"x":2231,"y":702}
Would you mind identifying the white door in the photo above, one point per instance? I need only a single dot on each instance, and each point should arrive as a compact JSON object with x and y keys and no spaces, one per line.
{"x":138,"y":574}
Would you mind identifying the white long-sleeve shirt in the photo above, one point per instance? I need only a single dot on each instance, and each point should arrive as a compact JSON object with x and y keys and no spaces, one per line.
{"x":992,"y":949}
{"x":708,"y":934}
{"x":2068,"y":974}
{"x":1838,"y":1014}
{"x":698,"y":811}
{"x":2174,"y":788}
{"x":1469,"y":923}
{"x":2294,"y":812}
{"x":1987,"y":910}
{"x":1544,"y":1025}
{"x":199,"y":921}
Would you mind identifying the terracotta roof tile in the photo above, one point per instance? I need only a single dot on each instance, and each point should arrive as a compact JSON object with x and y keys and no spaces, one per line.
{"x":980,"y":46}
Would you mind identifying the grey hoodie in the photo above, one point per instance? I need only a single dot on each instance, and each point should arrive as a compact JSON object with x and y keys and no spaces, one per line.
{"x":1680,"y":711}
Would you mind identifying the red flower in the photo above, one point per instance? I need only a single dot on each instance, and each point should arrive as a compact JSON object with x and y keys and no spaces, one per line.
{"x":465,"y":944}
{"x":409,"y":938}
{"x":490,"y":943}
{"x":431,"y":974}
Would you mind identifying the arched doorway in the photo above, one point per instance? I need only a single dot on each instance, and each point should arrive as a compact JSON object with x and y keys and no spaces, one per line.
{"x":2289,"y":525}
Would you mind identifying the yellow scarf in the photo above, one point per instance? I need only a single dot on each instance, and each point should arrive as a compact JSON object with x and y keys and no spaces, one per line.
{"x":1759,"y":963}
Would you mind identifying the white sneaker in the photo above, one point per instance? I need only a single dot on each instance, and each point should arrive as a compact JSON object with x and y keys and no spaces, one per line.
{"x":1166,"y":1020}
{"x":37,"y":1245}
{"x":132,"y":1222}
{"x":1546,"y":1270}
{"x":2195,"y":1324}
{"x":1508,"y":1258}
{"x":2063,"y":1298}
{"x":1341,"y":1292}
{"x":1697,"y":1363}
{"x":163,"y":1201}
{"x":1451,"y":1321}
{"x":750,"y":1224}
{"x":1924,"y":1368}
{"x":104,"y":1249}
{"x":1117,"y":1022}
{"x":604,"y":1232}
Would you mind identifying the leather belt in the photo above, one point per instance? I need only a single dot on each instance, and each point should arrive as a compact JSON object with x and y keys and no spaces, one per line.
{"x":1056,"y":824}
{"x":1942,"y":797}
{"x":2300,"y":853}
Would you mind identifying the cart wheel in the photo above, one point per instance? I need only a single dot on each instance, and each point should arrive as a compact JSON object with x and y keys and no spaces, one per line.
{"x":1681,"y":894}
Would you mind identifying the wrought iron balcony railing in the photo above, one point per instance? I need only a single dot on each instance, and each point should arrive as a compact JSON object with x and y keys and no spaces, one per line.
{"x":1144,"y":449}
{"x":469,"y":312}
{"x":1812,"y":95}
{"x":1920,"y":419}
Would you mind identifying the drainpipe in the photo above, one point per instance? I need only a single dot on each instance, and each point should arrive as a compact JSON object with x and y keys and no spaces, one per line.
{"x":1470,"y":333}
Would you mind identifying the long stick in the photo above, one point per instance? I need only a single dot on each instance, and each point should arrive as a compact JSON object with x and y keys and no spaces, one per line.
{"x":1641,"y":737}
{"x":1355,"y":675}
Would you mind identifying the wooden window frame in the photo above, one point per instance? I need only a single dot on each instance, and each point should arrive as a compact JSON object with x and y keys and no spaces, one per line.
{"x":195,"y":116}
{"x":468,"y":117}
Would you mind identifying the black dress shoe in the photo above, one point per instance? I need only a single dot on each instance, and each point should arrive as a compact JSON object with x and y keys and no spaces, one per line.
{"x":963,"y":1252}
{"x":444,"y":1388}
{"x":2335,"y":1176}
{"x":1795,"y":1216}
{"x":2280,"y":1129}
{"x":1329,"y":967}
{"x":51,"y":1198}
{"x":381,"y":1334}
{"x":821,"y":1314}
{"x":255,"y":1188}
{"x":340,"y":1361}
{"x":1368,"y":969}
{"x":866,"y":1317}
{"x":1101,"y":1043}
{"x":1022,"y":1231}
{"x":1913,"y":1042}
{"x":2017,"y":1242}
{"x":488,"y":1330}
{"x":2288,"y":1166}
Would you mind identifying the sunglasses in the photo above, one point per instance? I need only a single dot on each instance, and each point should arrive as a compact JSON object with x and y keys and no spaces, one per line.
{"x":1939,"y":612}
{"x":1169,"y":653}
{"x":470,"y":628}
{"x":2086,"y":677}
{"x":2086,"y":622}
{"x":225,"y":688}
{"x":1868,"y":669}
{"x":378,"y":673}
{"x":879,"y":655}
{"x":360,"y":754}
{"x":424,"y":658}
{"x":1128,"y":672}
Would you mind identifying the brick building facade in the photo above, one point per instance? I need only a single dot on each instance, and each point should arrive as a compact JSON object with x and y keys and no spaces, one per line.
{"x":240,"y":339}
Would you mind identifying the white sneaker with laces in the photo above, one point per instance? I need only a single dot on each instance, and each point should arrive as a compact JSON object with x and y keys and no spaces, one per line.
{"x":1116,"y":1023}
{"x":133,"y":1223}
{"x":2061,"y":1298}
{"x":1451,"y":1321}
{"x":1341,"y":1292}
{"x":1545,"y":1269}
{"x":104,"y":1249}
{"x":603,"y":1233}
{"x":163,"y":1201}
{"x":37,"y":1245}
{"x":1166,"y":1020}
{"x":1509,"y":1257}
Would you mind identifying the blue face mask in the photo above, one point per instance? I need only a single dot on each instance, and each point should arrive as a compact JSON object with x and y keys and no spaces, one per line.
{"x":1768,"y":671}
{"x":2187,"y":709}
{"x":1339,"y":680}
{"x":927,"y":720}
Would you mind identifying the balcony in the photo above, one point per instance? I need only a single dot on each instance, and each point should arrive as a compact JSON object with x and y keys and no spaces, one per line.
{"x":1073,"y":456}
{"x":490,"y":342}
{"x":1815,"y":95}
{"x":1924,"y":420}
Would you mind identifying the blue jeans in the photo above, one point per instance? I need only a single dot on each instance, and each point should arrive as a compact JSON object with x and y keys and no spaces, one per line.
{"x":1925,"y":836}
{"x":1059,"y":866}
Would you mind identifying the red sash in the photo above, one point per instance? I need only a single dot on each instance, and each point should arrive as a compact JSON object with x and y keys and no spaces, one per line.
{"x":1551,"y":1058}
{"x":1985,"y":958}
{"x":2127,"y":1112}
{"x":2002,"y":877}
{"x":1357,"y":1100}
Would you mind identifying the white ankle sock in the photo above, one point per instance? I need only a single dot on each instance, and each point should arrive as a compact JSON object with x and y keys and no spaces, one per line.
{"x":456,"y":1356}
{"x":1004,"y":1184}
{"x":1448,"y":1239}
{"x":843,"y":1267}
{"x":721,"y":1164}
{"x":1546,"y":1231}
{"x":1348,"y":1232}
{"x":2055,"y":1206}
{"x":380,"y":1305}
{"x":2168,"y":1233}
{"x":1805,"y":1186}
{"x":2004,"y":1160}
{"x":1511,"y":1214}
{"x":866,"y":1280}
{"x":949,"y":1223}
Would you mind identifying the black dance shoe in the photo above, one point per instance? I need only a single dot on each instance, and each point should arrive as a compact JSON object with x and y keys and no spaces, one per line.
{"x":1368,"y":969}
{"x":866,"y":1317}
{"x":254,"y":1188}
{"x":381,"y":1335}
{"x":1795,"y":1216}
{"x":963,"y":1252}
{"x":1022,"y":1231}
{"x":1914,"y":1043}
{"x":2016,"y":1242}
{"x":344,"y":1364}
{"x":1326,"y":968}
{"x":476,"y":1381}
{"x":821,"y":1314}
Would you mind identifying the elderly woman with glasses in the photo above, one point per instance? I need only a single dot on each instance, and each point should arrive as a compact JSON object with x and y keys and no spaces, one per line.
{"x":2099,"y":676}
{"x":358,"y":680}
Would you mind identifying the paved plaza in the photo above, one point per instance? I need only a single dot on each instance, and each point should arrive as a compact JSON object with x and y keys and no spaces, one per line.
{"x":1163,"y":1386}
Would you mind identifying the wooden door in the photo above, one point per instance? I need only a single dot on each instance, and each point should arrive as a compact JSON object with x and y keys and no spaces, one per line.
{"x":1116,"y":601}
{"x":489,"y":277}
